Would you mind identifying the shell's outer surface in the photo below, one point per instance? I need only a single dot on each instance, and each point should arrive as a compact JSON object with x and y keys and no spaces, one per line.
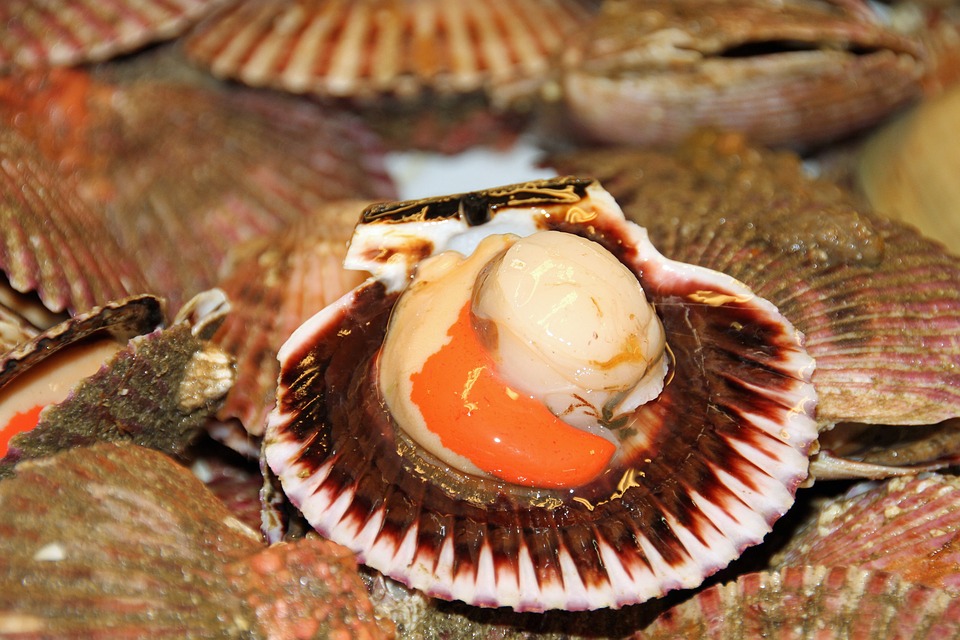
{"x":907,"y":169}
{"x":788,"y":73}
{"x":117,"y":540}
{"x":41,"y":33}
{"x":185,"y":172}
{"x":908,"y":526}
{"x":350,"y":48}
{"x":879,"y":304}
{"x":811,"y":602}
{"x":274,"y":284}
{"x":709,"y":466}
{"x":51,"y":242}
{"x":158,"y":391}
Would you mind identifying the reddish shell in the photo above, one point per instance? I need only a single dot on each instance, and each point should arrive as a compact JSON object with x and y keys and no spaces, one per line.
{"x":349,"y":48}
{"x":275,"y":283}
{"x":907,"y":526}
{"x":120,"y":540}
{"x":39,"y":33}
{"x":879,"y":303}
{"x":786,"y":73}
{"x":707,"y":468}
{"x":811,"y":602}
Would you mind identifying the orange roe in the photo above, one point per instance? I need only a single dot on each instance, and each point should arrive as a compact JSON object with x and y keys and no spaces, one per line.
{"x":507,"y":434}
{"x":21,"y":422}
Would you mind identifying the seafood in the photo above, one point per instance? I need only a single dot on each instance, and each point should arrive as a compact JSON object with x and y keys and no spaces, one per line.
{"x":696,"y":474}
{"x":275,"y":282}
{"x":118,"y":539}
{"x":871,"y":295}
{"x":812,"y":602}
{"x":795,"y":73}
{"x":179,"y":174}
{"x":38,"y":33}
{"x":907,"y":526}
{"x":114,"y":374}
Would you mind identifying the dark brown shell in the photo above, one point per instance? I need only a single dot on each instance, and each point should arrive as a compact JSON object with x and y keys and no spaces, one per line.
{"x":796,"y":72}
{"x":275,"y":283}
{"x":350,"y":48}
{"x":119,"y":540}
{"x":722,"y":449}
{"x":812,"y":602}
{"x":38,"y":33}
{"x":878,"y":302}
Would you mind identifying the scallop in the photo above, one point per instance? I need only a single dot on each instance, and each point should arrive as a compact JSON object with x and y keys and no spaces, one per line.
{"x":403,"y":431}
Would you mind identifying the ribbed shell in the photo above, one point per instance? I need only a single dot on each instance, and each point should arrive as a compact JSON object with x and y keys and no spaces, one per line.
{"x":787,"y":73}
{"x":717,"y":459}
{"x":183,"y":173}
{"x":907,"y":526}
{"x":119,"y":541}
{"x":879,"y":303}
{"x":51,"y":241}
{"x":275,"y":283}
{"x":812,"y":603}
{"x":350,"y":48}
{"x":42,"y":33}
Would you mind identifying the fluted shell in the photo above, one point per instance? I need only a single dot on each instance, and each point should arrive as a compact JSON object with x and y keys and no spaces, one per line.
{"x":275,"y":283}
{"x":812,"y":602}
{"x":38,"y":33}
{"x":350,"y":48}
{"x":907,"y":526}
{"x":52,"y":243}
{"x":119,"y":540}
{"x":879,"y":303}
{"x":182,"y":173}
{"x":907,"y":170}
{"x":796,"y":73}
{"x":715,"y":461}
{"x":156,"y":391}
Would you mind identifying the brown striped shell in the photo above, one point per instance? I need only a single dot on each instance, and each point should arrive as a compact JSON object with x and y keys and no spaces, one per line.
{"x":117,"y":539}
{"x":712,"y":462}
{"x":275,"y":283}
{"x":350,"y":48}
{"x":794,"y":73}
{"x":879,"y":303}
{"x":811,"y":602}
{"x":39,"y":33}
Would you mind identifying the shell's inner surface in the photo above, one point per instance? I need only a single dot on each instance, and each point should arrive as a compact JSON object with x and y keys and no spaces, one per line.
{"x":484,"y":353}
{"x":699,"y":473}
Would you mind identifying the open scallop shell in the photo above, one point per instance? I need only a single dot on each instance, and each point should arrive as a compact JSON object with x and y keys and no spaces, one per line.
{"x":275,"y":283}
{"x":40,"y":33}
{"x":811,"y":602}
{"x":716,"y":460}
{"x":879,"y":303}
{"x":351,"y":48}
{"x":787,"y":73}
{"x":119,"y":540}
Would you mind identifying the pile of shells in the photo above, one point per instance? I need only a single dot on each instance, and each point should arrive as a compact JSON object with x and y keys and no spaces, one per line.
{"x":246,"y":392}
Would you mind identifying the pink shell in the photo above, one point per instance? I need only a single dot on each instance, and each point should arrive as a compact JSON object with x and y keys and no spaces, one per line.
{"x":38,"y":33}
{"x":716,"y":458}
{"x":351,"y":48}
